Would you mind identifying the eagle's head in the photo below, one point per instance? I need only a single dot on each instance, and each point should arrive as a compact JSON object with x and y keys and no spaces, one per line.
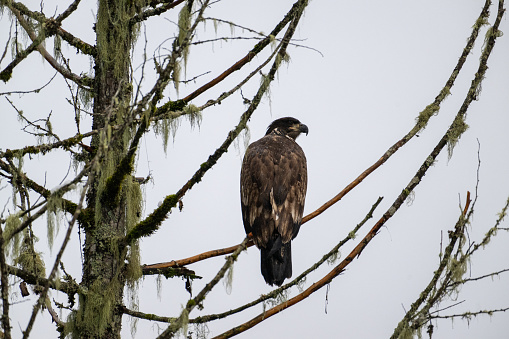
{"x":288,"y":126}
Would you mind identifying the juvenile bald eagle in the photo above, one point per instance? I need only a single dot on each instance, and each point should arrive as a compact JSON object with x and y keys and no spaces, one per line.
{"x":273,"y":184}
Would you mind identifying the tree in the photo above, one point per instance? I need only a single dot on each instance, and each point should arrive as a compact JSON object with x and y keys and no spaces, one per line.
{"x":144,"y":56}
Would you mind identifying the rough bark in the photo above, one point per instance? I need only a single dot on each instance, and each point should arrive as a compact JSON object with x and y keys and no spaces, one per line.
{"x":103,"y":268}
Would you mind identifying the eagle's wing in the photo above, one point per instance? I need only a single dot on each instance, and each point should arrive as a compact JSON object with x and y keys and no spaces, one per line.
{"x":273,"y":188}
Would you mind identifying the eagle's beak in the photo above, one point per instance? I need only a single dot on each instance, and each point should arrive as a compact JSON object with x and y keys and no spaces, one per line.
{"x":303,"y":129}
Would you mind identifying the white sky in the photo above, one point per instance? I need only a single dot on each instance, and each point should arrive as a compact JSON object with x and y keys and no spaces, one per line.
{"x":382,"y":63}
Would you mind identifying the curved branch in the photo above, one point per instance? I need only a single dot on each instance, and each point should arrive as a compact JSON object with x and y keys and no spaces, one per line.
{"x":44,"y":148}
{"x":69,"y":286}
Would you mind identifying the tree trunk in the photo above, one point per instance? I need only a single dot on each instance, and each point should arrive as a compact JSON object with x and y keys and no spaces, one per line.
{"x":104,"y":268}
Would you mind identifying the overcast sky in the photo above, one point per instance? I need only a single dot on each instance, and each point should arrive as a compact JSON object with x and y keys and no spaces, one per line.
{"x":372,"y":67}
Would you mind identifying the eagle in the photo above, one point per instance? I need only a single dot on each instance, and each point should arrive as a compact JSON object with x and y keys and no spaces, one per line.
{"x":273,"y":183}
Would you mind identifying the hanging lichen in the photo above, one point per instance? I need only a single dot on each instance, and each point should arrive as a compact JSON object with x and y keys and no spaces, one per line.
{"x":457,"y":129}
{"x":193,"y":115}
{"x":184,"y":24}
{"x":86,"y":98}
{"x":273,"y":41}
{"x":458,"y":268}
{"x":202,"y":331}
{"x":53,"y":216}
{"x":184,"y":322}
{"x":176,"y":75}
{"x":301,"y":284}
{"x":245,"y":137}
{"x":93,"y":318}
{"x":12,"y":223}
{"x":265,"y":87}
{"x":106,"y":170}
{"x":280,"y":298}
{"x":169,"y":126}
{"x":228,"y":280}
{"x":17,"y":179}
{"x":166,"y":128}
{"x":57,"y":47}
{"x":28,"y":259}
{"x":333,"y":258}
{"x":159,"y":286}
{"x":133,"y":214}
{"x":115,"y":33}
{"x":406,"y":332}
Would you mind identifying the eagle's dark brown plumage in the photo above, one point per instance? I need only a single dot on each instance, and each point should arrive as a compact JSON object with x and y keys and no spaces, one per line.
{"x":273,"y":183}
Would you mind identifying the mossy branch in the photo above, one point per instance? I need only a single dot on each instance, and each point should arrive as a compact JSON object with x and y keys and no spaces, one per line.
{"x":155,"y":10}
{"x":77,"y":43}
{"x":50,"y":27}
{"x":69,"y":38}
{"x":454,"y":236}
{"x":147,"y":316}
{"x":45,"y":148}
{"x":442,"y":283}
{"x":6,"y":73}
{"x":69,"y":287}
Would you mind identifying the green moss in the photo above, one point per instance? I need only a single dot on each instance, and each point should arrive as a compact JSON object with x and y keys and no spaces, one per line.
{"x":153,"y":221}
{"x":86,"y":218}
{"x":110,"y":194}
{"x":425,"y":115}
{"x":171,"y":106}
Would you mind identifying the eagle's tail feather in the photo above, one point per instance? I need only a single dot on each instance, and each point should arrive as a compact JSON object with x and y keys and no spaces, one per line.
{"x":276,"y":262}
